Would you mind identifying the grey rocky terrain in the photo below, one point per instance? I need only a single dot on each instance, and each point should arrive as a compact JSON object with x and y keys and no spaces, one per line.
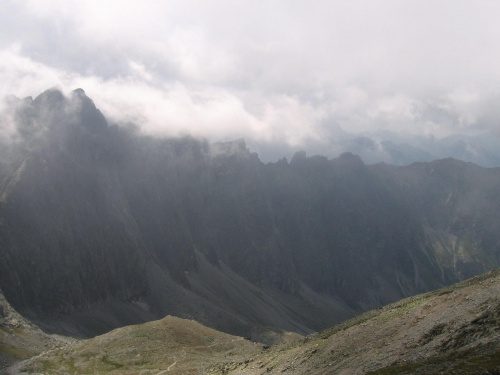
{"x":103,"y":227}
{"x":455,"y":330}
{"x":20,"y":339}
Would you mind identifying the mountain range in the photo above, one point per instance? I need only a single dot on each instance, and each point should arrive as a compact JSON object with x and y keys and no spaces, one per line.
{"x":384,"y":146}
{"x":102,"y":227}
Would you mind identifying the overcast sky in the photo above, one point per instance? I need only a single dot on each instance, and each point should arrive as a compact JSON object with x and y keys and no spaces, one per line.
{"x":273,"y":71}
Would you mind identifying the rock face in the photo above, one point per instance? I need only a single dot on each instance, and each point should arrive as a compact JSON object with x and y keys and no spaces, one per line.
{"x":101,"y":227}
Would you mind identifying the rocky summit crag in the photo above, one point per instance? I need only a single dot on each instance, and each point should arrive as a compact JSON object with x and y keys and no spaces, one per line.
{"x":102,"y":227}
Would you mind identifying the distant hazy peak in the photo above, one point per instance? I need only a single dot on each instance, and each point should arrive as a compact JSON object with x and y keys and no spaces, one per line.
{"x":79,"y":91}
{"x":51,"y":98}
{"x":77,"y":107}
{"x":235,"y":147}
{"x":88,"y":112}
{"x":298,"y":157}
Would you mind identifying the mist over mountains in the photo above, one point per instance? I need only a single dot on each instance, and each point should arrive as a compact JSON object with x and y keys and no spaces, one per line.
{"x":396,"y":148}
{"x":102,"y":227}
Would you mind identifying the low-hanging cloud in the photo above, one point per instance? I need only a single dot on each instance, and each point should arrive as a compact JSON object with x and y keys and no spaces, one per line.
{"x":281,"y":72}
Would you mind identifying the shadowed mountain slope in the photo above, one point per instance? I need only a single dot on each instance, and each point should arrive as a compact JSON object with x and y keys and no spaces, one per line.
{"x":21,"y":339}
{"x":101,"y":227}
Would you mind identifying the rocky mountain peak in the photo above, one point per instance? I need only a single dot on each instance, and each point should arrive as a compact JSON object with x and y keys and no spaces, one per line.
{"x":87,"y":112}
{"x":298,"y":157}
{"x":234,"y":147}
{"x":52,"y":98}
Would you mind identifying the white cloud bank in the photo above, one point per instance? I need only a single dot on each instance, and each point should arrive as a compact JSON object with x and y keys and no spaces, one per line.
{"x":283,"y":72}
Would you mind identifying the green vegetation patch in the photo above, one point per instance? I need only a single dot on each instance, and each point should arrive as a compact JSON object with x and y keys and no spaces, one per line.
{"x":488,"y":362}
{"x":111,"y":363}
{"x":16,"y":353}
{"x":463,"y":362}
{"x":58,"y":365}
{"x":403,"y":308}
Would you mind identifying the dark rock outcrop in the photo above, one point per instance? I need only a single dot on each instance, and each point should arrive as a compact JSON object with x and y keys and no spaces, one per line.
{"x":101,"y":227}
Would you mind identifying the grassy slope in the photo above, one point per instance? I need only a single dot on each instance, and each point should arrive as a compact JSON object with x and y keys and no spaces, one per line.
{"x":172,"y":345}
{"x":455,"y":330}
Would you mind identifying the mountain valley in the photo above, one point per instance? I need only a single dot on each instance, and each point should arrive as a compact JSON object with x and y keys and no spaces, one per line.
{"x":455,"y":330}
{"x":102,"y":227}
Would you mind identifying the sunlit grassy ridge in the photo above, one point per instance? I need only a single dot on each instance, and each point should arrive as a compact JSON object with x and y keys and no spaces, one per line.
{"x":170,"y":344}
{"x":455,"y":330}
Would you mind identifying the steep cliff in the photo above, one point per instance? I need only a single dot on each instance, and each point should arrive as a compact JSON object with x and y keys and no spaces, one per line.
{"x":102,"y":227}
